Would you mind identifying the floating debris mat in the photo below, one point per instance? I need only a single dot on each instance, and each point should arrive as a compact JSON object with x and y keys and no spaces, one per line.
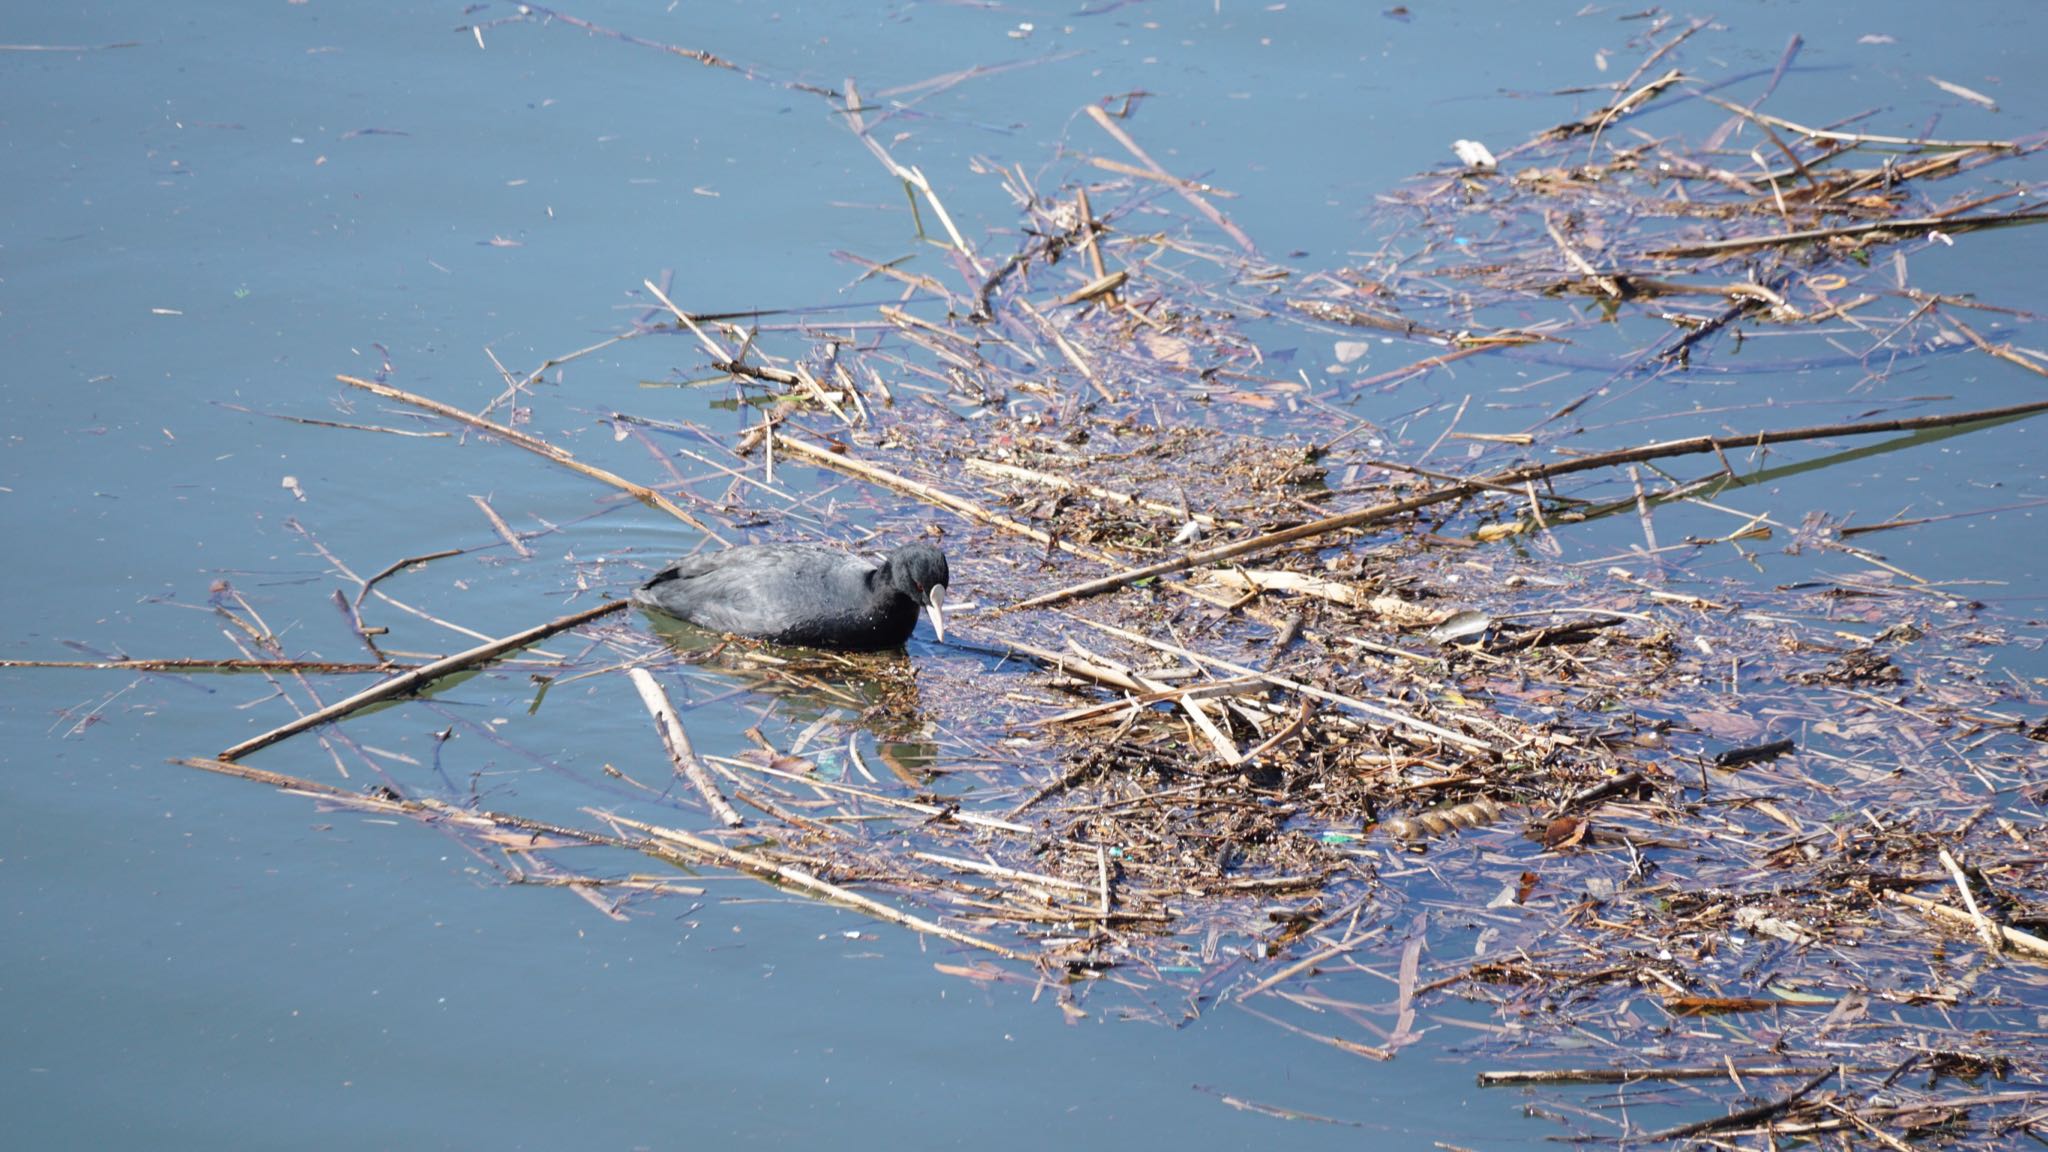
{"x":1252,"y":703}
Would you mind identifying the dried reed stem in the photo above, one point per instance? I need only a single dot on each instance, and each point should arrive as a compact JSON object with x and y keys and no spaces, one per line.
{"x":419,"y":677}
{"x":677,"y":741}
{"x":1387,"y":715}
{"x":1186,"y":190}
{"x":503,"y":529}
{"x":746,"y":861}
{"x":539,"y":447}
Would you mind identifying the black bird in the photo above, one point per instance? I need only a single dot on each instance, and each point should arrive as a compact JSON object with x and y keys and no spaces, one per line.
{"x":804,"y":594}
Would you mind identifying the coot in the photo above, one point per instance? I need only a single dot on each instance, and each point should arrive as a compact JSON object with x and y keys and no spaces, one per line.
{"x":803,"y":594}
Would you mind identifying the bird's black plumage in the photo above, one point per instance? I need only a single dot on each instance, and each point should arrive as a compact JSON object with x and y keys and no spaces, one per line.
{"x":803,"y":594}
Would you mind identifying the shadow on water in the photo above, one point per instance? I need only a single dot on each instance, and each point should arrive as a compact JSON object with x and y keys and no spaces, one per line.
{"x":820,"y":700}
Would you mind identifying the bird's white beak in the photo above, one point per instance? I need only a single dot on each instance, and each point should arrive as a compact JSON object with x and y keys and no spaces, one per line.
{"x":935,"y":603}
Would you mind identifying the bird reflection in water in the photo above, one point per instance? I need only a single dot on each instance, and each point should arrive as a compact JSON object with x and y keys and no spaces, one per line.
{"x":814,"y":694}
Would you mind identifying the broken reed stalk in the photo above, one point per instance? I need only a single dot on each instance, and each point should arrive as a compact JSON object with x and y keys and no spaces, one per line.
{"x":981,"y":868}
{"x":735,"y":858}
{"x":2002,"y":351}
{"x":191,"y":664}
{"x":2033,"y":946}
{"x":1064,"y":484}
{"x":745,"y":861}
{"x":538,"y":447}
{"x":677,"y":741}
{"x":1182,"y":187}
{"x":276,"y":779}
{"x":1635,"y":1075}
{"x":1987,"y":930}
{"x":1072,"y":354}
{"x":422,"y":676}
{"x":434,"y":810}
{"x":1917,"y":225}
{"x":1738,"y":1119}
{"x":346,"y":427}
{"x":1286,"y":733}
{"x":396,"y":565}
{"x":1385,"y":715}
{"x":842,"y":462}
{"x":1392,"y":508}
{"x":720,"y":359}
{"x":934,"y":812}
{"x":1146,"y":699}
{"x":1224,"y":745}
{"x":1064,"y":664}
{"x":503,"y":529}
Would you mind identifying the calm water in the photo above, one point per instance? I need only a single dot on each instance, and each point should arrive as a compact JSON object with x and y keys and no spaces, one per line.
{"x":245,"y":200}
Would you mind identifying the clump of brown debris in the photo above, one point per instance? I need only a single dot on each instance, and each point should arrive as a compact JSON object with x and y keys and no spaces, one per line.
{"x":1258,"y":708}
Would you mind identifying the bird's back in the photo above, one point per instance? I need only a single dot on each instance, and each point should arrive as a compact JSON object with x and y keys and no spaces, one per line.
{"x":786,"y":593}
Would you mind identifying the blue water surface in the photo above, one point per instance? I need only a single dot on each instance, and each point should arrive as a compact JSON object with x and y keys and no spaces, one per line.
{"x":228,"y":204}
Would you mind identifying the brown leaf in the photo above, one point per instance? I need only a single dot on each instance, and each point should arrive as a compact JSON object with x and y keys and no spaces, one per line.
{"x":1565,"y":832}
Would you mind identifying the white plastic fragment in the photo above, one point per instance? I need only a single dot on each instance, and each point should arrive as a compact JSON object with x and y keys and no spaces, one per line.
{"x":1473,"y":154}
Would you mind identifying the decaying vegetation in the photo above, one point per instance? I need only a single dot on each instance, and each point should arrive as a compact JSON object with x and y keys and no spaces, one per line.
{"x":1261,"y":708}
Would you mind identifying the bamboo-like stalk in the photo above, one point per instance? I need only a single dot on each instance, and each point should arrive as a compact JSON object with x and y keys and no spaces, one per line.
{"x":1392,"y":508}
{"x":1950,"y":224}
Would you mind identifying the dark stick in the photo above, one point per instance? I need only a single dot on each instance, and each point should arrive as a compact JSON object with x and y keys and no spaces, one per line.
{"x":1737,"y":757}
{"x":193,"y":664}
{"x":1459,"y":491}
{"x":1736,"y":1119}
{"x":418,"y":677}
